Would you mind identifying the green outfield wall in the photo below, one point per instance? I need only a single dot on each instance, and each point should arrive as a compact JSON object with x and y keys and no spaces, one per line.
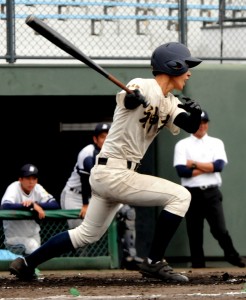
{"x":82,"y":95}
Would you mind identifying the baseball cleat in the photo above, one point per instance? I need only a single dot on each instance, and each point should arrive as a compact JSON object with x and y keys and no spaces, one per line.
{"x":131,"y":263}
{"x":19,"y":268}
{"x":161,"y":270}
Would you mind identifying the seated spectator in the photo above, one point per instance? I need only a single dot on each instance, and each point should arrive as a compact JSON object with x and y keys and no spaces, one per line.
{"x":23,"y":236}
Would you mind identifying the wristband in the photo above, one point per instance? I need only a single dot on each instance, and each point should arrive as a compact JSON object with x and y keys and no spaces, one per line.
{"x":193,"y":166}
{"x":31,"y":207}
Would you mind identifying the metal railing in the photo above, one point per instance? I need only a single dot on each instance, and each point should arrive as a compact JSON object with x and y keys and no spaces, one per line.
{"x":100,"y":255}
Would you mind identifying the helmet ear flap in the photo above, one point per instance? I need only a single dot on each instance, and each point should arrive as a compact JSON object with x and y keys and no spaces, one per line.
{"x":177,"y":67}
{"x":172,"y":64}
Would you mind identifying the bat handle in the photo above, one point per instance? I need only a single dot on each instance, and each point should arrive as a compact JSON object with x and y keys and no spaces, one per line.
{"x":120,"y":84}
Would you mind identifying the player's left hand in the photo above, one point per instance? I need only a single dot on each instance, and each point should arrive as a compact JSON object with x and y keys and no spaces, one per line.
{"x":135,"y":99}
{"x":191,"y":106}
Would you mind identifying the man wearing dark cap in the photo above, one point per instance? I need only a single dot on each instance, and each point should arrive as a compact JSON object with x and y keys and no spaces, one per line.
{"x":199,"y":159}
{"x":77,"y":192}
{"x":22,"y":236}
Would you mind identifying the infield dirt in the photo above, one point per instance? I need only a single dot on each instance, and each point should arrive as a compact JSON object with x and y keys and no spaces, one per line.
{"x":207,"y":283}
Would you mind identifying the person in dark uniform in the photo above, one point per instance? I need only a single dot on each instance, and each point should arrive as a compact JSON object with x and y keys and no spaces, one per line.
{"x":199,"y":159}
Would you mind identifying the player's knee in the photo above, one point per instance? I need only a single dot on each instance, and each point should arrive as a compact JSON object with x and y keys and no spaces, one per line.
{"x":180,"y":202}
{"x":81,"y":236}
{"x":186,"y":199}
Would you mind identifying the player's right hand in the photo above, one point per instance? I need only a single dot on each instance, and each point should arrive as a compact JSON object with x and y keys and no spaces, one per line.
{"x":83,"y":211}
{"x":39,"y":210}
{"x":135,"y":99}
{"x":191,"y":106}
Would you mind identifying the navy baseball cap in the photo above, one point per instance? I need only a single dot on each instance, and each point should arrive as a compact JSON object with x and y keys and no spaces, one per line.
{"x":204,"y":116}
{"x":29,"y":170}
{"x":101,"y":127}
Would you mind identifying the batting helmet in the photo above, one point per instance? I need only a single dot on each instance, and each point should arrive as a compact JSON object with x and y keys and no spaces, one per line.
{"x":173,"y":59}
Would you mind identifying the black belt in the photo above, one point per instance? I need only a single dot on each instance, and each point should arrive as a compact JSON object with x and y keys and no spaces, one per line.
{"x":204,"y":187}
{"x":104,"y":160}
{"x":75,"y":191}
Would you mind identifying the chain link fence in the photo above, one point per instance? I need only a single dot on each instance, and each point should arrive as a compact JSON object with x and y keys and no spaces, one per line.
{"x":106,"y":249}
{"x":129,"y":30}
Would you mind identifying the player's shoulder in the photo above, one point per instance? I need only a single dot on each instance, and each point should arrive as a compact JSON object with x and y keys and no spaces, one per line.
{"x":183,"y":141}
{"x":87,"y":150}
{"x":39,"y":189}
{"x":12,"y":190}
{"x":14,"y":185}
{"x":140,"y":83}
{"x":215,"y":139}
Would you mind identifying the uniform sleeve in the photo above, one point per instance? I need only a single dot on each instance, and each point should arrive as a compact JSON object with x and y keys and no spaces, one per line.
{"x":132,"y":85}
{"x":11,"y":195}
{"x":14,"y":206}
{"x":220,"y":153}
{"x":84,"y":173}
{"x":50,"y":204}
{"x":179,"y":154}
{"x":173,"y":111}
{"x":41,"y":196}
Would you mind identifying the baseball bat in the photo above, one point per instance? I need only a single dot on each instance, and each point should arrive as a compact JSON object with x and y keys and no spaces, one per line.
{"x":61,"y":42}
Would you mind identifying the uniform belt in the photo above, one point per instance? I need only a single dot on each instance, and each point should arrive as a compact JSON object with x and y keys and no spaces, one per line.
{"x":75,"y":191}
{"x":118,"y":163}
{"x":204,"y":187}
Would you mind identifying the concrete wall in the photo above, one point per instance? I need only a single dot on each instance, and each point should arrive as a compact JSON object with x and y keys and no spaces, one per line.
{"x":219,"y":88}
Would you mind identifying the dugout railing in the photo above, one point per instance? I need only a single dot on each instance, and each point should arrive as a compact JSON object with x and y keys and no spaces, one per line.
{"x":100,"y":255}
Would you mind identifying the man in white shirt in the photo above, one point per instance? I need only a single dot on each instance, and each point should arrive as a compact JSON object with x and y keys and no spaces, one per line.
{"x":199,"y":159}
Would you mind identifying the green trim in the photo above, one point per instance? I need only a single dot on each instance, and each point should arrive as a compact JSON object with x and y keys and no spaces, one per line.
{"x":113,"y":245}
{"x":8,"y":214}
{"x":69,"y":263}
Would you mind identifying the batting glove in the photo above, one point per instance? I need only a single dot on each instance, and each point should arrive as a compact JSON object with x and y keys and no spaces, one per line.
{"x":135,"y":99}
{"x":191,"y":106}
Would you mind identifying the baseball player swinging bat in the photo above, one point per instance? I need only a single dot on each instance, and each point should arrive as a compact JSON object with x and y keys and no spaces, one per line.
{"x":57,"y":39}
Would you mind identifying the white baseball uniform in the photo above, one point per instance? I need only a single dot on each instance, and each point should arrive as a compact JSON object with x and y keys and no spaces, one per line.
{"x":115,"y":181}
{"x":23,"y":232}
{"x":71,"y":196}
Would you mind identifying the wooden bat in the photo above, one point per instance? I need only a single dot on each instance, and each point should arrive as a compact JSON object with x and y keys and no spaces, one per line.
{"x":61,"y":42}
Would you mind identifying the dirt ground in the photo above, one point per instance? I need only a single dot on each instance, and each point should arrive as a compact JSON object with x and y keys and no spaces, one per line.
{"x":209,"y":283}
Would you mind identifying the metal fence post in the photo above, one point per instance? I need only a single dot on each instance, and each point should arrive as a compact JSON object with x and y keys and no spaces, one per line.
{"x":183,"y":22}
{"x":10,"y":14}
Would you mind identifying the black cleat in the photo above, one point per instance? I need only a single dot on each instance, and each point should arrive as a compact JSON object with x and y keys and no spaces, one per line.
{"x":161,"y":270}
{"x":131,"y":263}
{"x":19,"y":268}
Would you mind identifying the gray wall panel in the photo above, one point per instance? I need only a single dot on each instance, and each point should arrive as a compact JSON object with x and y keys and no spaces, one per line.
{"x":220,"y":89}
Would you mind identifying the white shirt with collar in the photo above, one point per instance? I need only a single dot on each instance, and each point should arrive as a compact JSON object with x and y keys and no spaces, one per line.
{"x":206,"y":149}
